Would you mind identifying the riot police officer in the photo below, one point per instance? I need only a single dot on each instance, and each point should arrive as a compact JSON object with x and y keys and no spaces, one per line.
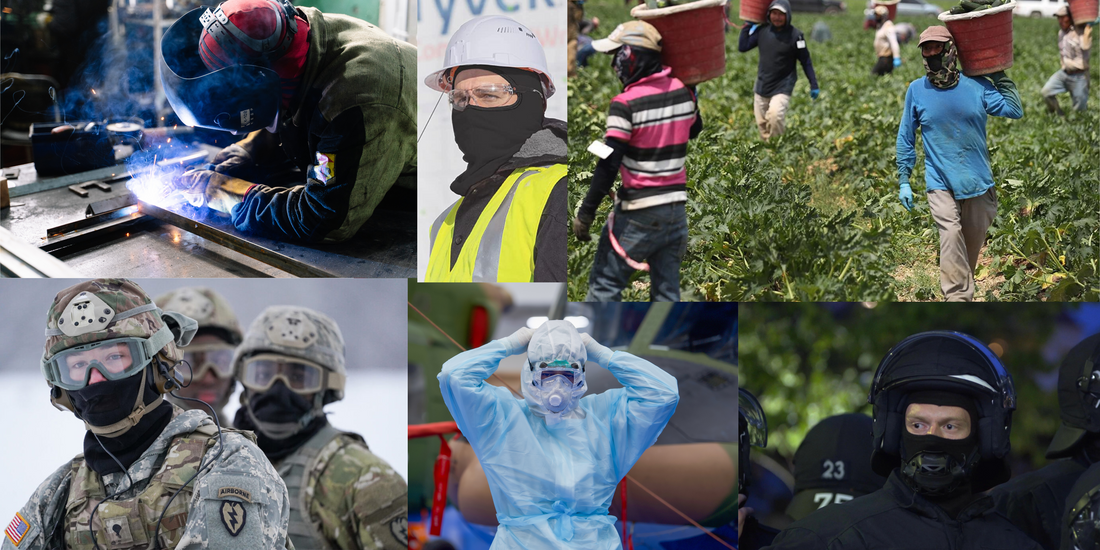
{"x":1034,"y":501}
{"x":832,"y":464}
{"x":943,"y":406}
{"x":752,"y":431}
{"x":291,"y":365}
{"x":210,"y":354}
{"x":152,"y":475}
{"x":1081,"y":526}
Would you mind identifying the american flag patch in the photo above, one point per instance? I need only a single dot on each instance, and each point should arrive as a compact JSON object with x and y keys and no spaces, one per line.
{"x":17,"y":529}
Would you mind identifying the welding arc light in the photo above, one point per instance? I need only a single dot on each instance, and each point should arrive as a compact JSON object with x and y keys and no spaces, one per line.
{"x":237,"y":99}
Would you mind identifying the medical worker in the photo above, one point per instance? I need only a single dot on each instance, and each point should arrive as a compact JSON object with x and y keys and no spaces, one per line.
{"x":553,"y":459}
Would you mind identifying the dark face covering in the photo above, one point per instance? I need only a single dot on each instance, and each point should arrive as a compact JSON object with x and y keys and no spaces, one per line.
{"x":278,"y":405}
{"x":942,"y":68}
{"x":110,"y":401}
{"x":940,"y":469}
{"x":489,"y":137}
{"x":632,"y":64}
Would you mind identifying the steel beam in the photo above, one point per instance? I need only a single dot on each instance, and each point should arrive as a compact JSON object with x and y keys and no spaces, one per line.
{"x":20,"y":259}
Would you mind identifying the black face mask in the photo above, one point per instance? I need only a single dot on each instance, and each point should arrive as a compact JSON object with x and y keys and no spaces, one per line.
{"x":633,"y":64}
{"x":108,"y":402}
{"x":938,"y":467}
{"x":489,"y":137}
{"x":935,"y":62}
{"x":278,"y":405}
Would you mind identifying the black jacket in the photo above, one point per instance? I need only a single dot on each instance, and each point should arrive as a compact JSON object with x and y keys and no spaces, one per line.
{"x":897,"y":518}
{"x":755,"y":535}
{"x":1034,"y":502}
{"x":779,"y":48}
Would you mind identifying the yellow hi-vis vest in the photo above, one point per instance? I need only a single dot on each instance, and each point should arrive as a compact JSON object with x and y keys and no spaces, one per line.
{"x":501,"y":247}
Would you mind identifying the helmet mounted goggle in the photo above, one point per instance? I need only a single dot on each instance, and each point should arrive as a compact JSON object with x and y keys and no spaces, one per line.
{"x":118,"y":358}
{"x":260,"y":372}
{"x":216,"y":357}
{"x":573,"y":372}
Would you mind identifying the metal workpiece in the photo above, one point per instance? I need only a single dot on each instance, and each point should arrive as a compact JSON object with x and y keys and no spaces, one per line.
{"x":19,"y":259}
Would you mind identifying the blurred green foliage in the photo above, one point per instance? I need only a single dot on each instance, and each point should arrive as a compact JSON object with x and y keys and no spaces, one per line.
{"x":806,"y":362}
{"x":814,"y":216}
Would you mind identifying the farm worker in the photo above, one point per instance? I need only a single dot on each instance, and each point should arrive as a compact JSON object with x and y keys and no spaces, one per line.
{"x":210,"y":354}
{"x":1034,"y":501}
{"x":554,"y":458}
{"x":1074,"y":43}
{"x":886,"y":43}
{"x":780,"y":46}
{"x":342,"y":496}
{"x":951,"y":110}
{"x":327,"y":103}
{"x":150,"y":471}
{"x":942,"y":409}
{"x":510,"y":223}
{"x":752,"y":431}
{"x":648,"y":127}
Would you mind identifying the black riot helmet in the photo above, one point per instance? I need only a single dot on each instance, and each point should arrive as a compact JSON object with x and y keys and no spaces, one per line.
{"x":945,"y":361}
{"x":238,"y":99}
{"x":752,"y":431}
{"x":1081,"y":520}
{"x":832,"y":464}
{"x":1078,"y":397}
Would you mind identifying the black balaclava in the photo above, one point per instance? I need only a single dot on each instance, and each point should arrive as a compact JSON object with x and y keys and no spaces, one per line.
{"x":632,"y":63}
{"x":282,"y":405}
{"x":940,"y":469}
{"x":489,"y":137}
{"x":110,"y":401}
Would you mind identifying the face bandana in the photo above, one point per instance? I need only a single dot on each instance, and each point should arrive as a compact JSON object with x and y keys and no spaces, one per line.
{"x":633,"y":64}
{"x":942,"y":68}
{"x":489,"y":137}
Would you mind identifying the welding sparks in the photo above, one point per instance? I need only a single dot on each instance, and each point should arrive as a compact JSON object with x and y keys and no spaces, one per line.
{"x":169,"y":140}
{"x":127,"y":234}
{"x":93,"y":92}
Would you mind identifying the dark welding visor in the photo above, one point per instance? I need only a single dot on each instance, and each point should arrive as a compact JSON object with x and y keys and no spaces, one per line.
{"x":237,"y":99}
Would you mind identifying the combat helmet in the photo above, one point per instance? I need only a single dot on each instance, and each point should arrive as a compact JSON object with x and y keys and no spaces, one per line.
{"x":90,"y":315}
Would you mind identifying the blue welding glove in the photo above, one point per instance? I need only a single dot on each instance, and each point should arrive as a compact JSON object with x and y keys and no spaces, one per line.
{"x":897,"y":62}
{"x":217,"y":191}
{"x":905,"y":194}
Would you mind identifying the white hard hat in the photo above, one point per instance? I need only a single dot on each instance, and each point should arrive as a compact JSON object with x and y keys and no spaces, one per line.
{"x":492,"y":40}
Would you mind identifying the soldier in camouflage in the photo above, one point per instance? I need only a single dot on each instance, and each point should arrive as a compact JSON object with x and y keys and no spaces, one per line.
{"x":342,"y":496}
{"x":210,"y":354}
{"x":152,"y":475}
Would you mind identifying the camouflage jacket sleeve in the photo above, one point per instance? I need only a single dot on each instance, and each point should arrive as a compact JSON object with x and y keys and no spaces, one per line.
{"x":239,"y":501}
{"x":36,"y":523}
{"x":361,"y":502}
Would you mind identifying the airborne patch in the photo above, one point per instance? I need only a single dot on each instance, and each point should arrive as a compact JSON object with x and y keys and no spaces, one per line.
{"x":233,"y":517}
{"x":400,"y":528}
{"x":235,"y":492}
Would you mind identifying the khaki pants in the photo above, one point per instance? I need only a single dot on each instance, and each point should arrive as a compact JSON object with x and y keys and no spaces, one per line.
{"x":963,"y":226}
{"x":771,"y":114}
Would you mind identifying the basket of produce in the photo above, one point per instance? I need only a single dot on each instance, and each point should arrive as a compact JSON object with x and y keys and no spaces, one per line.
{"x":891,"y":7}
{"x":754,"y":11}
{"x":693,"y":38}
{"x":1084,"y":11}
{"x":982,"y":30}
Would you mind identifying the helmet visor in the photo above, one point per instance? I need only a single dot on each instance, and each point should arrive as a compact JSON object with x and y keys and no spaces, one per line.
{"x":71,"y":369}
{"x":259,"y":373}
{"x":751,"y":414}
{"x":571,"y":371}
{"x":216,"y":357}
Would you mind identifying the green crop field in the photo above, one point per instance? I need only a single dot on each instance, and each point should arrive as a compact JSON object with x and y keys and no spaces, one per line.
{"x":814,"y":214}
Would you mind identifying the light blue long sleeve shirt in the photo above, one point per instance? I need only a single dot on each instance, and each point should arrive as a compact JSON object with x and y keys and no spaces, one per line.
{"x":952,"y":124}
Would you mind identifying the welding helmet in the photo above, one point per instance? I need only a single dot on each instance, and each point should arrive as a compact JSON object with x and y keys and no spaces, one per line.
{"x":238,"y":98}
{"x":951,"y":362}
{"x":752,"y":431}
{"x":111,"y":326}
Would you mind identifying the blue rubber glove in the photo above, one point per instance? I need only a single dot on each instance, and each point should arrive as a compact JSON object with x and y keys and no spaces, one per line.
{"x":814,"y":93}
{"x":752,"y":29}
{"x":906,"y":196}
{"x":897,"y":62}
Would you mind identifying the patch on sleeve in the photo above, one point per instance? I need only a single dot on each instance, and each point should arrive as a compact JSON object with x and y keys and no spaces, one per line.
{"x":400,"y":528}
{"x":235,"y":492}
{"x":324,"y":167}
{"x":801,"y":44}
{"x":17,"y":529}
{"x":233,"y":517}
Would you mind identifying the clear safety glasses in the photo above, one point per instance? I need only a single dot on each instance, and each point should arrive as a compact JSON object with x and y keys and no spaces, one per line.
{"x":259,"y":373}
{"x":71,"y":369}
{"x":486,"y":95}
{"x":216,"y":357}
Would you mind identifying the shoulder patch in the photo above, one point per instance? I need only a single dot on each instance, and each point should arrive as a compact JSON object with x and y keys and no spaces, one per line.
{"x":235,"y":492}
{"x":400,"y":528}
{"x":233,"y":517}
{"x":17,"y":529}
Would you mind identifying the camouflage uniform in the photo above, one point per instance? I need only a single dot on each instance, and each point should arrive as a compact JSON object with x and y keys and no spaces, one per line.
{"x":341,"y":495}
{"x":237,"y":500}
{"x":212,"y":311}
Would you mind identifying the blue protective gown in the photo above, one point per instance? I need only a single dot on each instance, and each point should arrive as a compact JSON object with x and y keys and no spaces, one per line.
{"x":552,"y":485}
